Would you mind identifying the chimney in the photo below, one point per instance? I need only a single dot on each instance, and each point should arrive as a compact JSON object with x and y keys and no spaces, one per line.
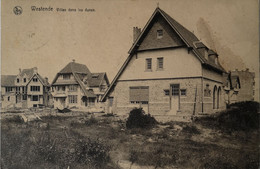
{"x":35,"y":70}
{"x":247,"y":69}
{"x":136,"y":33}
{"x":46,"y":79}
{"x":20,"y":70}
{"x":73,"y":60}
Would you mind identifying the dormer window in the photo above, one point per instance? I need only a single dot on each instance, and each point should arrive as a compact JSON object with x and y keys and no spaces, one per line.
{"x":17,"y":80}
{"x":35,"y":80}
{"x":24,"y":80}
{"x":206,"y":54}
{"x":95,"y":76}
{"x":66,"y":76}
{"x":159,"y":34}
{"x":216,"y":60}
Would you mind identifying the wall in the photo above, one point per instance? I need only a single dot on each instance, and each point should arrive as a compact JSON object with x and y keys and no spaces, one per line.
{"x":169,"y":38}
{"x":159,"y":104}
{"x":177,"y":63}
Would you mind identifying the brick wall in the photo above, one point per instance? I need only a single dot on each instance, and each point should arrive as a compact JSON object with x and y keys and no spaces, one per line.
{"x":159,"y":104}
{"x":169,"y":38}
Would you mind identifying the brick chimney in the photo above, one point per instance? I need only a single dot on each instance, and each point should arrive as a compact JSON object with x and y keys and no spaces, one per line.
{"x":35,"y":70}
{"x":136,"y":33}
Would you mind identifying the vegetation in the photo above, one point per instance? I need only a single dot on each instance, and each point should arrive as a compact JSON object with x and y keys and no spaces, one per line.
{"x":138,"y":119}
{"x":85,"y":141}
{"x":241,"y":116}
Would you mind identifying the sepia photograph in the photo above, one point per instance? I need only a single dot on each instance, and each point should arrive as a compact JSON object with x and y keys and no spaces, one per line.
{"x":129,"y":84}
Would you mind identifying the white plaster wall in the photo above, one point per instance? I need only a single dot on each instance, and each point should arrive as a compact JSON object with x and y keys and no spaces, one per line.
{"x":177,"y":63}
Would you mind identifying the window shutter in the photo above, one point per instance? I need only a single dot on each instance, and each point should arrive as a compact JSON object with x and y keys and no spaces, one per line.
{"x":139,"y":93}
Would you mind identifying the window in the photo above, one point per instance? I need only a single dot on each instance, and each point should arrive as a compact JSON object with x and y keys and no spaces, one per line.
{"x":149,"y":64}
{"x":91,"y":101}
{"x":35,"y":80}
{"x":73,"y":99}
{"x":139,"y":94}
{"x":183,"y":92}
{"x":8,"y":89}
{"x":159,"y":34}
{"x":72,"y":87}
{"x":207,"y":91}
{"x":24,"y":97}
{"x":24,"y":80}
{"x":34,"y":98}
{"x":216,"y":60}
{"x":175,"y":89}
{"x":8,"y":98}
{"x":102,"y":88}
{"x":17,"y":80}
{"x":35,"y":88}
{"x":95,"y":76}
{"x":61,"y":88}
{"x":159,"y":63}
{"x":66,"y":76}
{"x":166,"y":92}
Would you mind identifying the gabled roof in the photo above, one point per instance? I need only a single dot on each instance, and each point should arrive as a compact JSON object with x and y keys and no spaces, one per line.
{"x":86,"y":92}
{"x":73,"y":67}
{"x":186,"y":36}
{"x":79,"y":71}
{"x":28,"y":72}
{"x":8,"y":80}
{"x":42,"y":80}
{"x":97,"y":79}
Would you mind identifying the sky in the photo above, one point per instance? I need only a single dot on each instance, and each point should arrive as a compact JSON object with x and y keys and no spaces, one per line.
{"x":101,"y":39}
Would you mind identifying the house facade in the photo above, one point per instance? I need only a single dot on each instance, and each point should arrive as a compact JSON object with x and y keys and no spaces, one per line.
{"x":7,"y":91}
{"x":76,"y":86}
{"x":168,"y":72}
{"x":29,"y":89}
{"x":239,"y":86}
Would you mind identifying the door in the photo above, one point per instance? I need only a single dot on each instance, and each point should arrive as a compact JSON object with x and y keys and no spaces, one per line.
{"x":61,"y":103}
{"x":175,"y":98}
{"x":110,"y":104}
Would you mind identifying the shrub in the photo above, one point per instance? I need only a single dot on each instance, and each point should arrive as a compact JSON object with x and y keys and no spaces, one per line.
{"x":138,"y":119}
{"x":91,"y":121}
{"x":240,"y":116}
{"x":15,"y":119}
{"x":51,"y":149}
{"x":191,"y":129}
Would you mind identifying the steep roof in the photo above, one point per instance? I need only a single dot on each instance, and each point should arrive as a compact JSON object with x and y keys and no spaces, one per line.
{"x":186,"y":36}
{"x":42,"y":80}
{"x":79,"y":71}
{"x":76,"y":68}
{"x":8,"y":80}
{"x":28,"y":72}
{"x":86,"y":92}
{"x":97,"y":79}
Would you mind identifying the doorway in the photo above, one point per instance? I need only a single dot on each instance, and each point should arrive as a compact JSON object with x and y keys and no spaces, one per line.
{"x":175,"y":98}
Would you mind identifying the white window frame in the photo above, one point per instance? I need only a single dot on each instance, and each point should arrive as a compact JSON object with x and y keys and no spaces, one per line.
{"x":147,"y":67}
{"x":160,"y":63}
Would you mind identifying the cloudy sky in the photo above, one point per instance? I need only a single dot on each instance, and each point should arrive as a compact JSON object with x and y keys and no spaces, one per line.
{"x":101,"y":39}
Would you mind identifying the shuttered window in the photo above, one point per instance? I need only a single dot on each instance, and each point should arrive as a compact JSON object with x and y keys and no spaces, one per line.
{"x":139,"y":94}
{"x":149,"y":64}
{"x":159,"y":63}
